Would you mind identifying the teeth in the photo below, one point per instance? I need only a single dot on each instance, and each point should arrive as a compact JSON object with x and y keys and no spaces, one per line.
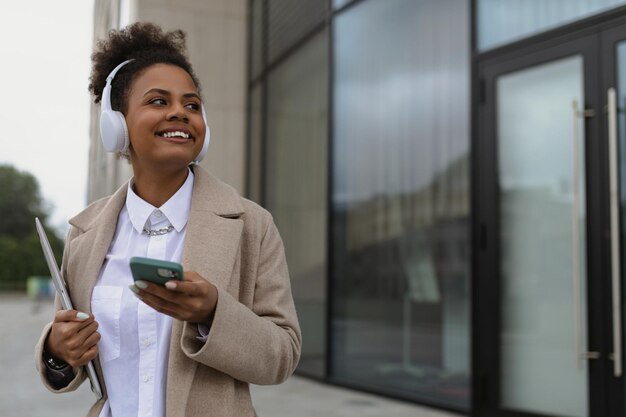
{"x":176,"y":134}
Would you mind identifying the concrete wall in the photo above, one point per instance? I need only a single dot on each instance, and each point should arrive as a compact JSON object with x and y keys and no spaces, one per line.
{"x":105,"y":172}
{"x":217,"y":45}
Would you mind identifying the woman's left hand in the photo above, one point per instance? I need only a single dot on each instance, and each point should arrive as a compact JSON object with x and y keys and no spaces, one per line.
{"x":193,"y":299}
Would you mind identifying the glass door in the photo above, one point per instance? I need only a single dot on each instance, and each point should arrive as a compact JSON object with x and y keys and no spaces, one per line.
{"x":550,"y":228}
{"x":541,"y":192}
{"x":614,"y":93}
{"x":540,"y":231}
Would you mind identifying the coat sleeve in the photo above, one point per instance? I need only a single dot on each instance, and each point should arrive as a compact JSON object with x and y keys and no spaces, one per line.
{"x":79,"y":373}
{"x":259,"y":345}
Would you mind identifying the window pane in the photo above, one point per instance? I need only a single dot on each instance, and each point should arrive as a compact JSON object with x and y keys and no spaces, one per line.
{"x":401,"y":199}
{"x":290,"y":21}
{"x":340,"y":3}
{"x":296,"y":185}
{"x":504,"y":21}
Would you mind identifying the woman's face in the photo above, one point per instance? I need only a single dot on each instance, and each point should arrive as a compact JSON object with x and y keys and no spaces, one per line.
{"x":164,"y":118}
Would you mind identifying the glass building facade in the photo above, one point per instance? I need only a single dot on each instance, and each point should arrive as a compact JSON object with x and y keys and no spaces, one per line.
{"x":449,"y":195}
{"x":400,"y":202}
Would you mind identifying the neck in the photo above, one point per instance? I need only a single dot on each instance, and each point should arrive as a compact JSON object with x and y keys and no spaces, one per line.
{"x":157,"y":187}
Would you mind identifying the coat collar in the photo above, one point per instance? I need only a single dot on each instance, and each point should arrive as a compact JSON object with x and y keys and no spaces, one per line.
{"x":209,"y":194}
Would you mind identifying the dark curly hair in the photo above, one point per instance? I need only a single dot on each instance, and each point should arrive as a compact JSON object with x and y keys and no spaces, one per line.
{"x":147,"y":44}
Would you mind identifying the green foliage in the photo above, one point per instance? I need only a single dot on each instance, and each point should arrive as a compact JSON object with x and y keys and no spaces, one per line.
{"x":20,"y":252}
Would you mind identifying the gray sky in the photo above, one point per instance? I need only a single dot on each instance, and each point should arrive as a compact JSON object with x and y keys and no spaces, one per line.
{"x":44,"y":105}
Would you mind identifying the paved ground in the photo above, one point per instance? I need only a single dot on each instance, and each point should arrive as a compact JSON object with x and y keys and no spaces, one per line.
{"x":22,"y":395}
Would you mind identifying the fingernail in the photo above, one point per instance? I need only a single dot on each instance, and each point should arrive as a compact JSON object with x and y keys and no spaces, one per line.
{"x":170,"y":285}
{"x":82,"y":316}
{"x":133,"y":288}
{"x":141,"y":284}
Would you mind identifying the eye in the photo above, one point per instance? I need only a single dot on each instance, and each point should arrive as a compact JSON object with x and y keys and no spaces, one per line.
{"x":158,"y":102}
{"x":193,"y":106}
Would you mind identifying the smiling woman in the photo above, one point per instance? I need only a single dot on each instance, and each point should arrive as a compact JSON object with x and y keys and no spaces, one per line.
{"x":188,"y":347}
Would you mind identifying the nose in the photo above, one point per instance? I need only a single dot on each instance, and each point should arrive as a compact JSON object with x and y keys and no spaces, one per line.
{"x":177,"y":112}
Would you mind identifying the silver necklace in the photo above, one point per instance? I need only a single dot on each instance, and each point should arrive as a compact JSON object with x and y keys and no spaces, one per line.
{"x":157,"y":232}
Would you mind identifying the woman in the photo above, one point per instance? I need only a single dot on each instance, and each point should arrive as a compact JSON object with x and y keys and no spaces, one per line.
{"x":188,"y":348}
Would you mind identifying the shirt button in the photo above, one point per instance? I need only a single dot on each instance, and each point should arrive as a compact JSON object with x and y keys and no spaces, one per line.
{"x":146,"y":378}
{"x":157,"y":213}
{"x":147,"y":342}
{"x":158,"y":238}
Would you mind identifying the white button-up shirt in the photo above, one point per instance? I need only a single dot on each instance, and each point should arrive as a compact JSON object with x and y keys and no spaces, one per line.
{"x":134,"y":347}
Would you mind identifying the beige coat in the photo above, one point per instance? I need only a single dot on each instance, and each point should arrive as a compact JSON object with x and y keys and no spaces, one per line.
{"x":254,"y":338}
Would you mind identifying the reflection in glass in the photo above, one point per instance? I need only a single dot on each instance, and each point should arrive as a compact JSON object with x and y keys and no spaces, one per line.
{"x":289,"y":21}
{"x":401,"y":199}
{"x":296,"y":185}
{"x":504,"y":21}
{"x":337,"y":4}
{"x":542,"y":240}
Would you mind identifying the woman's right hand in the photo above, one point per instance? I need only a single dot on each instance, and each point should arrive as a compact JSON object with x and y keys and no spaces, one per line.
{"x":73,"y":337}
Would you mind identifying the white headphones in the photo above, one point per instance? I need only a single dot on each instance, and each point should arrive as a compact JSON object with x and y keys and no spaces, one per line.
{"x":113,"y":129}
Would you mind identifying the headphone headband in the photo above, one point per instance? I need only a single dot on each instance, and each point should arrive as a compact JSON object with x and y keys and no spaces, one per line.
{"x":106,"y":93}
{"x":116,"y":69}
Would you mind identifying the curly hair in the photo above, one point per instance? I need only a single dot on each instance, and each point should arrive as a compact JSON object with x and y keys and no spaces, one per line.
{"x":147,"y":44}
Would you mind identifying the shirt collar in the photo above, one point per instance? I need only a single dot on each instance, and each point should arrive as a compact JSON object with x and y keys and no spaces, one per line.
{"x":175,"y":210}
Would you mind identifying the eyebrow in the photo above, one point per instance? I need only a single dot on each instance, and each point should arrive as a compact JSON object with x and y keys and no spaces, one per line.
{"x":167,"y":93}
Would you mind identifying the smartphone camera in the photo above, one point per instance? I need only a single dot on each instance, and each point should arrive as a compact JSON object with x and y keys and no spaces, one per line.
{"x":166,"y":273}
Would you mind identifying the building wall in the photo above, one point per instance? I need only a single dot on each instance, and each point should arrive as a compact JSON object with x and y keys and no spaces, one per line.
{"x":217,"y":46}
{"x":105,"y":172}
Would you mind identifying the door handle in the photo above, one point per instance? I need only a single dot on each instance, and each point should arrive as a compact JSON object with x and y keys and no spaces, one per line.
{"x":576,"y":279}
{"x":582,"y":354}
{"x":615,"y":237}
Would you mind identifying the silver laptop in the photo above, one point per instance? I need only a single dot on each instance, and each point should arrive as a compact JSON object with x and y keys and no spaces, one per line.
{"x":66,"y":302}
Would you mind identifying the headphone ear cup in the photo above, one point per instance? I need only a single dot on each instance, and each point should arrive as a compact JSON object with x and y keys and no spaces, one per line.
{"x":205,"y":146}
{"x":113,"y":131}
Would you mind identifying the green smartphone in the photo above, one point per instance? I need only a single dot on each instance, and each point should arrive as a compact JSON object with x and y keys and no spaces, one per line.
{"x":154,"y":270}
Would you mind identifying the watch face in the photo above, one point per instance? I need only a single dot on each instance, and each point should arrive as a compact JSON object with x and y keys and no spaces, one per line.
{"x":54,"y":364}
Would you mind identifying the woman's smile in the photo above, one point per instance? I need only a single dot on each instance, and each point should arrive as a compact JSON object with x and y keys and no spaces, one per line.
{"x":176,"y":135}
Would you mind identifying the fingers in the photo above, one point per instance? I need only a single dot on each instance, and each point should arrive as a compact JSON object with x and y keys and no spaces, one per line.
{"x":89,"y":355}
{"x":71,"y":315}
{"x":80,"y":347}
{"x":160,"y":304}
{"x":193,"y":299}
{"x":86,"y":332}
{"x":193,"y":284}
{"x":173,"y":289}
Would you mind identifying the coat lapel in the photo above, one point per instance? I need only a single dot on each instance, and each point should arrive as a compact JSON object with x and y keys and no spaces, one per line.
{"x":89,"y":249}
{"x":213,"y":230}
{"x":211,"y":249}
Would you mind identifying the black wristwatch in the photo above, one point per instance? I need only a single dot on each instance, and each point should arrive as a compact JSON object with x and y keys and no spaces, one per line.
{"x":52,"y":363}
